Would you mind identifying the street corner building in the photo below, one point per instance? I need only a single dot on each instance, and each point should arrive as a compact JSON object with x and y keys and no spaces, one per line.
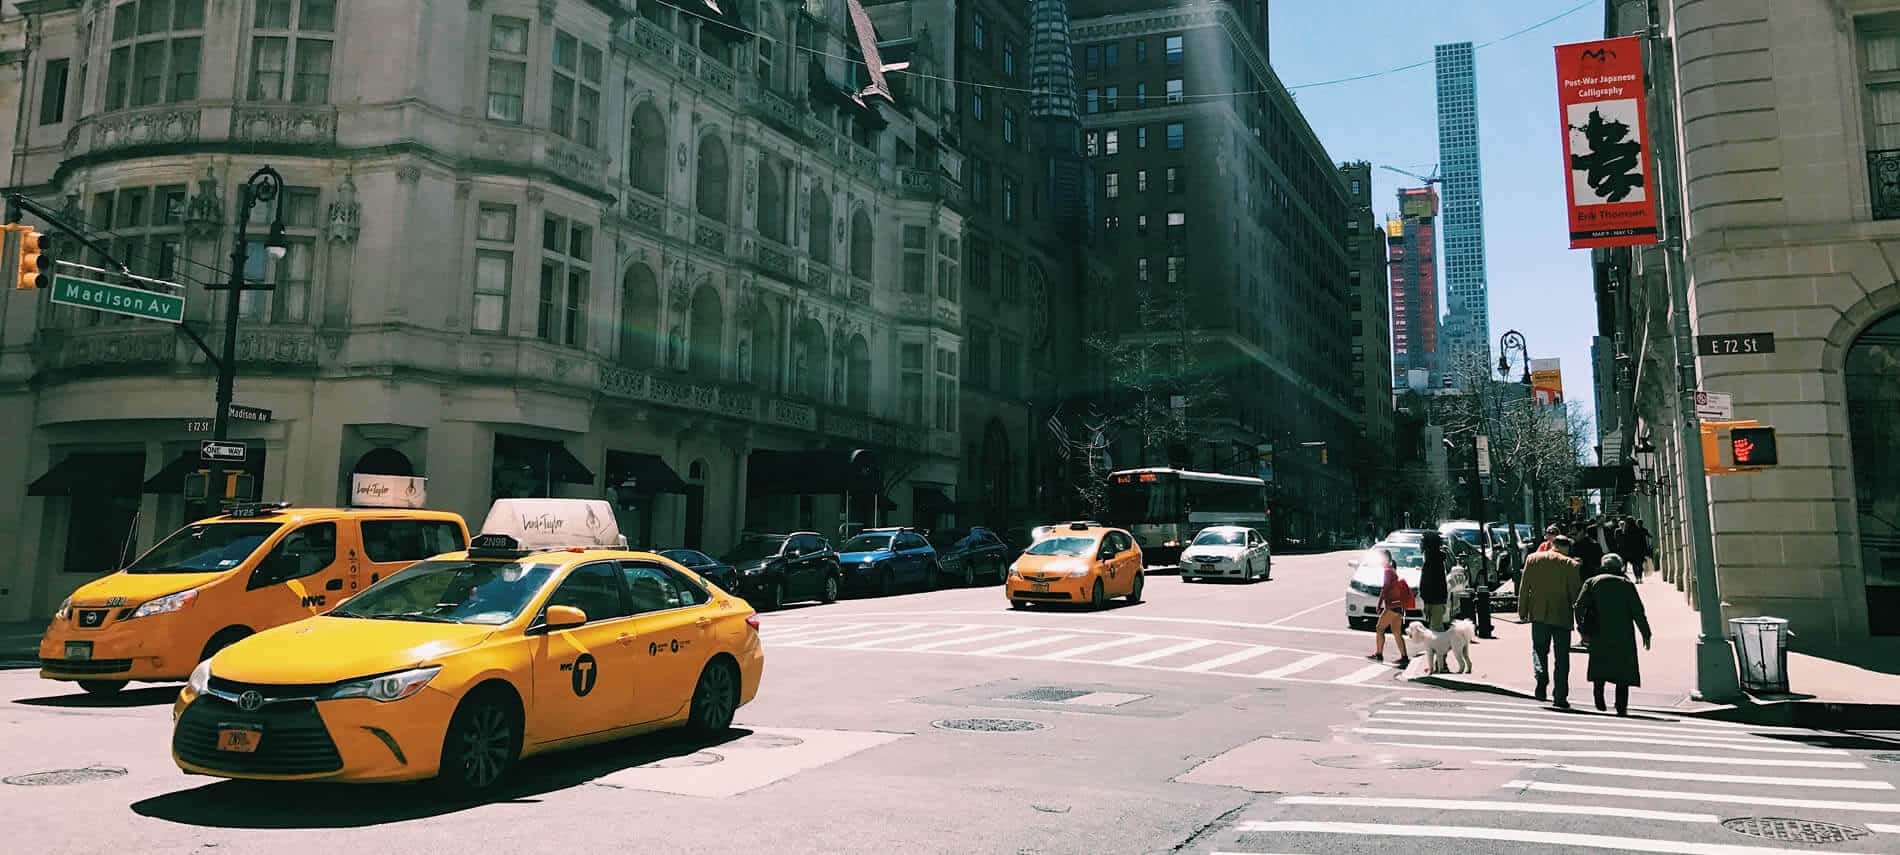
{"x":1786,"y":114}
{"x":683,"y":255}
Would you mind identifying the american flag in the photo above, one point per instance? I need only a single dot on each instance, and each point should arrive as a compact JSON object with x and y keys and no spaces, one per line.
{"x":1060,"y":433}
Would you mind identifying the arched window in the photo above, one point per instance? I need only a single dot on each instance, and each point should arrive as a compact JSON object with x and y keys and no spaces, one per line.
{"x":765,"y":356}
{"x":1873,"y":408}
{"x":646,"y":150}
{"x":708,"y":328}
{"x":862,"y":251}
{"x":639,"y":318}
{"x":811,"y":360}
{"x":857,"y":381}
{"x":771,"y":201}
{"x":818,"y":229}
{"x":383,"y":461}
{"x":713,"y":179}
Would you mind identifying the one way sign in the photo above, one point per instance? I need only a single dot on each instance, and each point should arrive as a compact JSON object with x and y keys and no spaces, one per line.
{"x":215,"y":451}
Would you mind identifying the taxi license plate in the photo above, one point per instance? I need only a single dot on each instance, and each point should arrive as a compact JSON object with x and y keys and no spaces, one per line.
{"x":239,"y":738}
{"x":1039,"y":587}
{"x":81,"y":650}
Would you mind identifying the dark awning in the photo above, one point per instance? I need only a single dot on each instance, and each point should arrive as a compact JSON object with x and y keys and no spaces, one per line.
{"x":544,"y":456}
{"x":650,"y":474}
{"x":812,"y":472}
{"x":931,"y":500}
{"x":101,"y":474}
{"x":171,"y":479}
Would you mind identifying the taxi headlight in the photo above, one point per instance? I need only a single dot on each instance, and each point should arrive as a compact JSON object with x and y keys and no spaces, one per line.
{"x":1015,"y":572}
{"x":166,"y":604}
{"x":386,"y":688}
{"x":200,"y":678}
{"x":65,"y":609}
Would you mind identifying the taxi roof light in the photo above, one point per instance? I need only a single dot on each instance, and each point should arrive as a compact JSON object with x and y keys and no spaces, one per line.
{"x":247,"y":510}
{"x":529,"y":525}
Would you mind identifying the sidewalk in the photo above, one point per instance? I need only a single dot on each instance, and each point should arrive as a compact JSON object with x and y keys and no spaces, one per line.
{"x":1824,"y":690}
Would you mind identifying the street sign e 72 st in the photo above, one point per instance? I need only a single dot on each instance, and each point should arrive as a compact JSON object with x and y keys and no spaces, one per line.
{"x":1735,"y":344}
{"x":217,"y":451}
{"x":69,"y":290}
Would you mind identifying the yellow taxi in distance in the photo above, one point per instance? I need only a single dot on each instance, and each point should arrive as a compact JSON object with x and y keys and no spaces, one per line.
{"x":220,"y":579}
{"x":547,"y":634}
{"x":1074,"y":563}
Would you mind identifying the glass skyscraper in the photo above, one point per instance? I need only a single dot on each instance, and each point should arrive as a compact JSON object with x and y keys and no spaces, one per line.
{"x":1461,"y":220}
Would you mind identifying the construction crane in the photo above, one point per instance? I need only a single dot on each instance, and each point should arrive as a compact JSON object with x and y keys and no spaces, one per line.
{"x":1434,"y":179}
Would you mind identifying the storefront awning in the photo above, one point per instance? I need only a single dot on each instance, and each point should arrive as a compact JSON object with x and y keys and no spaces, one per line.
{"x":171,"y":479}
{"x":545,"y":456}
{"x":92,"y":474}
{"x":650,"y":474}
{"x":813,"y":472}
{"x":931,"y":500}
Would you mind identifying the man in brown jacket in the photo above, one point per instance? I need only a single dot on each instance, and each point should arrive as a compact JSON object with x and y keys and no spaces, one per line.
{"x":1544,"y":597}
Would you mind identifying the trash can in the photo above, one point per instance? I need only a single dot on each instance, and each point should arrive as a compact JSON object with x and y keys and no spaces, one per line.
{"x":1761,"y":653}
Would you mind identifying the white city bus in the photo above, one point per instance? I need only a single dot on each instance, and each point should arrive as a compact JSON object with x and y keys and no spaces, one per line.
{"x":1165,"y":508}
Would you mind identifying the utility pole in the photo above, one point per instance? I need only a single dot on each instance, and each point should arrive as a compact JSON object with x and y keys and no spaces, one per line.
{"x":1716,"y":679}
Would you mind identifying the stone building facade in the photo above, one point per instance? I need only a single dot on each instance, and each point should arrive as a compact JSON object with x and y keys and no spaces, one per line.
{"x":1784,"y":111}
{"x":536,"y":248}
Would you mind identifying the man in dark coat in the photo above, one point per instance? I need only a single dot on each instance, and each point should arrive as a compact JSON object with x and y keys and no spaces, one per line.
{"x":1432,"y":586}
{"x":1609,"y":613}
{"x":1587,"y":551}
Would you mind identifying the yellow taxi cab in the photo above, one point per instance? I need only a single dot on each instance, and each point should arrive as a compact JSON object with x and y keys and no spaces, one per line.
{"x":220,"y":579}
{"x":547,"y":634}
{"x":1079,"y":562}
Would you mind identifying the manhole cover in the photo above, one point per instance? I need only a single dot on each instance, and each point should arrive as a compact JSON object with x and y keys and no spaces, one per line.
{"x":1048,"y":694}
{"x":1795,"y":830}
{"x":758,"y":740}
{"x":62,"y":777}
{"x":989,"y":725}
{"x":1887,"y":757}
{"x":687,"y":761}
{"x":1374,"y":761}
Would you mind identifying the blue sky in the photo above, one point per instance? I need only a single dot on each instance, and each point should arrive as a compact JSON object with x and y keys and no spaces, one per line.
{"x":1538,"y":285}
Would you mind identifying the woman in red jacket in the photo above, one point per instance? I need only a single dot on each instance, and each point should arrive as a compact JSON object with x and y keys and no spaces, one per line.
{"x":1395,"y":598}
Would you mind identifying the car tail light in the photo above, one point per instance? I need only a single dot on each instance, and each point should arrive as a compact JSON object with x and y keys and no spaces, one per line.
{"x":752,"y":620}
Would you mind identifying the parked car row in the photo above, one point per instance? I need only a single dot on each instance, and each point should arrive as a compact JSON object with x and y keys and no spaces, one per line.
{"x":771,"y":570}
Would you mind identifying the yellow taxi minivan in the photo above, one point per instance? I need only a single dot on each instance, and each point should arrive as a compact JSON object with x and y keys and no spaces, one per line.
{"x":1079,"y":562}
{"x":547,"y":634}
{"x":221,"y":579}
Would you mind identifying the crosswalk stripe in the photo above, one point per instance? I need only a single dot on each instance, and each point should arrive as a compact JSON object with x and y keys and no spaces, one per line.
{"x":1297,"y":667}
{"x":981,"y":636}
{"x":902,"y":636}
{"x":1883,"y":829}
{"x":828,"y":638}
{"x":1553,"y":736}
{"x":1511,"y":835}
{"x":1593,"y":754}
{"x":1688,"y":796}
{"x":1540,"y":711}
{"x":779,"y":633}
{"x":1671,"y":775}
{"x":1366,"y":673}
{"x":1091,"y":648}
{"x":1229,"y":659}
{"x":1005,"y":648}
{"x":1498,"y":807}
{"x":1585,"y":725}
{"x":1152,"y":655}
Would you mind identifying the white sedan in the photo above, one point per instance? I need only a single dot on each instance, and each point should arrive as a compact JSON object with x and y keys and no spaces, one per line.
{"x":1227,"y":552}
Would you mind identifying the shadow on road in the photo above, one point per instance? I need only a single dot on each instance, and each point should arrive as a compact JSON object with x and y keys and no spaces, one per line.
{"x":144,"y":696}
{"x":260,"y":805}
{"x":1113,"y":605}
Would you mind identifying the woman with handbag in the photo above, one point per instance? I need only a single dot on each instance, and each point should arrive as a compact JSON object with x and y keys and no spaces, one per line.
{"x":1609,"y":614}
{"x":1395,"y":597}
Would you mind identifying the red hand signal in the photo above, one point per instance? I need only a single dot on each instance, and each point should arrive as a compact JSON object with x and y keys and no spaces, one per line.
{"x":1744,"y":449}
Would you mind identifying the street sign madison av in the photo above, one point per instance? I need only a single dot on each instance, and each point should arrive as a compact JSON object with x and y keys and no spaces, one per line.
{"x":69,"y":290}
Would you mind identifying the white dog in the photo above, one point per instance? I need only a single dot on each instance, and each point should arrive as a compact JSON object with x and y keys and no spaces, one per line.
{"x":1441,"y":645}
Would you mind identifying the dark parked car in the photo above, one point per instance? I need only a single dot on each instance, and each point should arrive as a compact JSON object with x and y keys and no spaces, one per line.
{"x":971,"y":555}
{"x":886,"y":559}
{"x":775,"y":569}
{"x":709,"y":568}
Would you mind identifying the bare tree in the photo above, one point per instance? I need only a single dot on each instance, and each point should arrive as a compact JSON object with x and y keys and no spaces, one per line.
{"x":1154,"y":370}
{"x":1091,"y":485}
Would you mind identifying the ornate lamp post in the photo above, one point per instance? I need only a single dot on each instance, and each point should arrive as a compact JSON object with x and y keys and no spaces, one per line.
{"x":264,"y":185}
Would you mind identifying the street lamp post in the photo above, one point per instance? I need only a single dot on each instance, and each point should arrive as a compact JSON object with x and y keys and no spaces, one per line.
{"x":264,"y":185}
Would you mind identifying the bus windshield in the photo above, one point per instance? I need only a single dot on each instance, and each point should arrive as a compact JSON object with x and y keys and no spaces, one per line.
{"x":1157,"y":501}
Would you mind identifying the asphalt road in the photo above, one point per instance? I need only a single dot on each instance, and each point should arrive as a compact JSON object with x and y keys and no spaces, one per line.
{"x":1209,"y":718}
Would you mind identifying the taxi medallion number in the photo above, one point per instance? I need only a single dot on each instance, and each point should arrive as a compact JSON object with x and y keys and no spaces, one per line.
{"x":81,"y":650}
{"x":239,"y":738}
{"x":1039,"y":587}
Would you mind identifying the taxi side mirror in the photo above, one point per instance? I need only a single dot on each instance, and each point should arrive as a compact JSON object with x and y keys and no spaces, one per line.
{"x":564,"y":617}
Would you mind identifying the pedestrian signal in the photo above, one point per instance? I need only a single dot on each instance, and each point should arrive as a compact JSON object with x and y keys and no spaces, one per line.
{"x":238,"y":486}
{"x":1753,"y":446}
{"x":36,"y":263}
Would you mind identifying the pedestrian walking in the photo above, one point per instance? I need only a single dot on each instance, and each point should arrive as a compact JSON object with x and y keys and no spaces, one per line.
{"x":1550,"y":533}
{"x":1545,"y":598}
{"x":1433,"y":589}
{"x":1636,"y":542}
{"x":1609,"y":612}
{"x":1395,"y":597}
{"x":1584,"y":548}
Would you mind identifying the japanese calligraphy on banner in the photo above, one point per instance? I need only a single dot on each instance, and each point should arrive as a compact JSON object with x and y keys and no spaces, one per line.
{"x":1607,"y":156}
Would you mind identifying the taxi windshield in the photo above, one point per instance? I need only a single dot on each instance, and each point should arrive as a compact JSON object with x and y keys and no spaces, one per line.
{"x":1070,"y":546}
{"x":1220,"y":538}
{"x":204,"y":548}
{"x":867,"y":543}
{"x":484,"y":592}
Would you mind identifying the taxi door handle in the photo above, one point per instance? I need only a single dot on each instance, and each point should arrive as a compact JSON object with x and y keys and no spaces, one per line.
{"x":702,"y":623}
{"x":626,"y":638}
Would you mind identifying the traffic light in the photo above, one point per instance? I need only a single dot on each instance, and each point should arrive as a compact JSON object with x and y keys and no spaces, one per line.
{"x":36,"y":261}
{"x":1753,"y":446}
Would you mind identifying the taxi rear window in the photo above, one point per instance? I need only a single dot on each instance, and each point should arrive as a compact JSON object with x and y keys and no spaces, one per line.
{"x":389,"y":541}
{"x":205,"y":548}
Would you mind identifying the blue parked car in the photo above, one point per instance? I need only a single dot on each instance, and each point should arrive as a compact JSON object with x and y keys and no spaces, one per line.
{"x":886,"y":559}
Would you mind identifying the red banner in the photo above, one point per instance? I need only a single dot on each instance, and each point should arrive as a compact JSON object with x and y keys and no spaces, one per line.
{"x":1608,"y":163}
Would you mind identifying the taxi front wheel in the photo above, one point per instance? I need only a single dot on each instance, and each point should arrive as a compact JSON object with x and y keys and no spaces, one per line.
{"x":1099,"y":598}
{"x":102,"y":687}
{"x":484,"y":740}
